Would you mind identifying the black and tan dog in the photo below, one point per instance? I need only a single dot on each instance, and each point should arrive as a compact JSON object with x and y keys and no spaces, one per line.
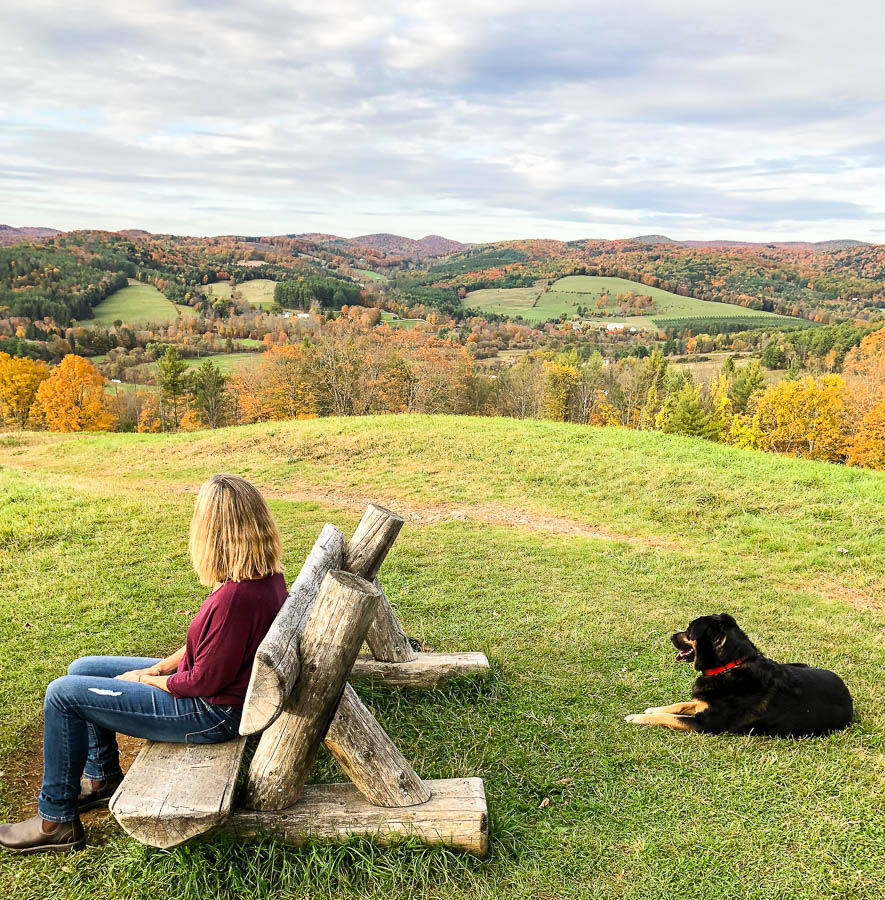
{"x":742,"y":691}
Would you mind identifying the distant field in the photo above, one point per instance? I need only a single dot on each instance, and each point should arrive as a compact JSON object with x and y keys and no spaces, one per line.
{"x":138,"y":303}
{"x":567,"y":294}
{"x":227,"y":362}
{"x":703,"y":371}
{"x":389,"y":318}
{"x":258,"y":292}
{"x":506,"y":302}
{"x":369,"y":275}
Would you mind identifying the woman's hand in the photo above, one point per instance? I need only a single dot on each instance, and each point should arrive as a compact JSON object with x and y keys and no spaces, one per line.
{"x":135,"y":674}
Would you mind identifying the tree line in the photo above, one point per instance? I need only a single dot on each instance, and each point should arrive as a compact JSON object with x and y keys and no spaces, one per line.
{"x":346,"y":370}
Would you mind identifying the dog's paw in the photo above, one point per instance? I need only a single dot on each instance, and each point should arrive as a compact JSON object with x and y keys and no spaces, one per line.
{"x":635,"y":719}
{"x":652,"y":709}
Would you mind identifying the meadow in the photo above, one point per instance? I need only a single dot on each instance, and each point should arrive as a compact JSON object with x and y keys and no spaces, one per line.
{"x":573,"y":291}
{"x":257,"y":292}
{"x":227,"y":362}
{"x":369,"y":275}
{"x":395,"y":321}
{"x":138,"y":304}
{"x":568,"y":555}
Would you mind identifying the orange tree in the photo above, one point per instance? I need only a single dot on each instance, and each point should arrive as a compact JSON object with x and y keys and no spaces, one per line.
{"x":72,"y":398}
{"x":867,"y":447}
{"x":19,"y":381}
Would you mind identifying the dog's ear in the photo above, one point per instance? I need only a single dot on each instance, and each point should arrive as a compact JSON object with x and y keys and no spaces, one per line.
{"x":726,"y":620}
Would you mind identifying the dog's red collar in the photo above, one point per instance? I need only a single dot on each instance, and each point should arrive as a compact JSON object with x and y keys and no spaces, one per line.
{"x":720,"y":669}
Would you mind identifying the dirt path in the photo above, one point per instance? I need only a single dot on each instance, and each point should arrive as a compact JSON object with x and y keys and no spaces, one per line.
{"x":481,"y":513}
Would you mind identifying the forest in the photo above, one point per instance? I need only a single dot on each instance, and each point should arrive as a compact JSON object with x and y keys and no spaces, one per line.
{"x":330,"y":343}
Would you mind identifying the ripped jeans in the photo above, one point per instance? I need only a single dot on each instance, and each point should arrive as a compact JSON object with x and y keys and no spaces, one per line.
{"x":85,"y":709}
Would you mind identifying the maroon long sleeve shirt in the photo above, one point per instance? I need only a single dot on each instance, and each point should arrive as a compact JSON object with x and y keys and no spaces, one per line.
{"x":222,"y":640}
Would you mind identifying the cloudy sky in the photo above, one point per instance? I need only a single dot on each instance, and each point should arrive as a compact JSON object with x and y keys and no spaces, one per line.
{"x":473,"y":119}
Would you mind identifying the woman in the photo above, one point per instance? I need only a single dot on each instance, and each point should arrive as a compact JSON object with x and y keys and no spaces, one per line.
{"x":194,"y":696}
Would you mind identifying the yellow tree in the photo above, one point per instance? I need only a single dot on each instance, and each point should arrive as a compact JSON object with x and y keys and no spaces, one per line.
{"x":19,"y":381}
{"x":806,"y":418}
{"x":864,"y":372}
{"x":867,"y":447}
{"x":559,"y":388}
{"x":72,"y":398}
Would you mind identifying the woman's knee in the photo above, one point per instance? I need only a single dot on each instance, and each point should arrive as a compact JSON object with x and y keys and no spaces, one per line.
{"x":85,"y":665}
{"x":59,"y":690}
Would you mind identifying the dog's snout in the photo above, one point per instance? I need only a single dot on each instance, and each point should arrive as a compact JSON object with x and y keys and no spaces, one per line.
{"x":680,"y":641}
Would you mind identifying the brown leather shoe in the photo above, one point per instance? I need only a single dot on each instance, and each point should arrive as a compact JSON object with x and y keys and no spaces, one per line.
{"x":90,"y":798}
{"x":29,"y":837}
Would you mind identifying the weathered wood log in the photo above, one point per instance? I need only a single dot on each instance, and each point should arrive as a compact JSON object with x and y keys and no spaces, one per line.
{"x":373,"y":537}
{"x":370,"y":758}
{"x":456,"y":815}
{"x":426,"y":670}
{"x":173,"y":792}
{"x":277,"y":662}
{"x":335,"y":629}
{"x":386,"y":638}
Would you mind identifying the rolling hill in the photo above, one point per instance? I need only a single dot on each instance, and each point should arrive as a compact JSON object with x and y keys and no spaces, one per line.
{"x":567,"y":554}
{"x":10,"y":236}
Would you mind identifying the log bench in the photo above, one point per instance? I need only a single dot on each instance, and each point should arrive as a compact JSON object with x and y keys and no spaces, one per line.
{"x":299,"y":696}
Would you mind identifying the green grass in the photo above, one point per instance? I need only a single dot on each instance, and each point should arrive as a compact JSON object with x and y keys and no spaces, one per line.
{"x":369,"y":275}
{"x":395,"y":321}
{"x":93,"y":532}
{"x":567,"y":294}
{"x":227,"y":362}
{"x":507,"y":302}
{"x":258,"y":291}
{"x":137,"y":304}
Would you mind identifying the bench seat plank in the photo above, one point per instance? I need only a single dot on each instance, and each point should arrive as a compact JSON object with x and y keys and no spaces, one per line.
{"x":173,"y":792}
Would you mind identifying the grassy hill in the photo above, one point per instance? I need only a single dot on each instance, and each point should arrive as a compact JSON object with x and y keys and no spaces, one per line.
{"x":138,"y":304}
{"x":568,"y":555}
{"x":567,"y":294}
{"x":257,"y":292}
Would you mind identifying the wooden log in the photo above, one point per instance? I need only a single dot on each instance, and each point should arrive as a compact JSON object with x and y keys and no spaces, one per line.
{"x":426,"y":670}
{"x":173,"y":792}
{"x":277,"y":662}
{"x":386,"y":638}
{"x":456,"y":815}
{"x":373,"y":537}
{"x":370,"y":758}
{"x":335,"y":629}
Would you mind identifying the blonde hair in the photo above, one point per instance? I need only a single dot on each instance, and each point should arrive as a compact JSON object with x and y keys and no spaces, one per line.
{"x":233,"y":534}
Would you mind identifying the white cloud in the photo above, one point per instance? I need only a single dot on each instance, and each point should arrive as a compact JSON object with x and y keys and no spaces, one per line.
{"x":480,"y":120}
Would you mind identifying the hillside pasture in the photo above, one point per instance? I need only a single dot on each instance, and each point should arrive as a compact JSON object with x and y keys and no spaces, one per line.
{"x":505,"y":302}
{"x":568,"y":555}
{"x":395,"y":321}
{"x":573,"y":291}
{"x":137,"y":304}
{"x":369,"y":275}
{"x":257,"y":292}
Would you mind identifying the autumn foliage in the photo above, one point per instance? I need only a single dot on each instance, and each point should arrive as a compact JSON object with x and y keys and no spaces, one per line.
{"x":19,"y":381}
{"x":72,"y":398}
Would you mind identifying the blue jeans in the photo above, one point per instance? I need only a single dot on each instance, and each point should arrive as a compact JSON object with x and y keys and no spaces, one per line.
{"x":85,"y":709}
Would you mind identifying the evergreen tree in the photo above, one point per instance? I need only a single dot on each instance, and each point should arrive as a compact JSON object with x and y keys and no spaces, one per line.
{"x":172,"y":375}
{"x":685,"y":413}
{"x":773,"y":356}
{"x":209,"y":388}
{"x":749,"y":380}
